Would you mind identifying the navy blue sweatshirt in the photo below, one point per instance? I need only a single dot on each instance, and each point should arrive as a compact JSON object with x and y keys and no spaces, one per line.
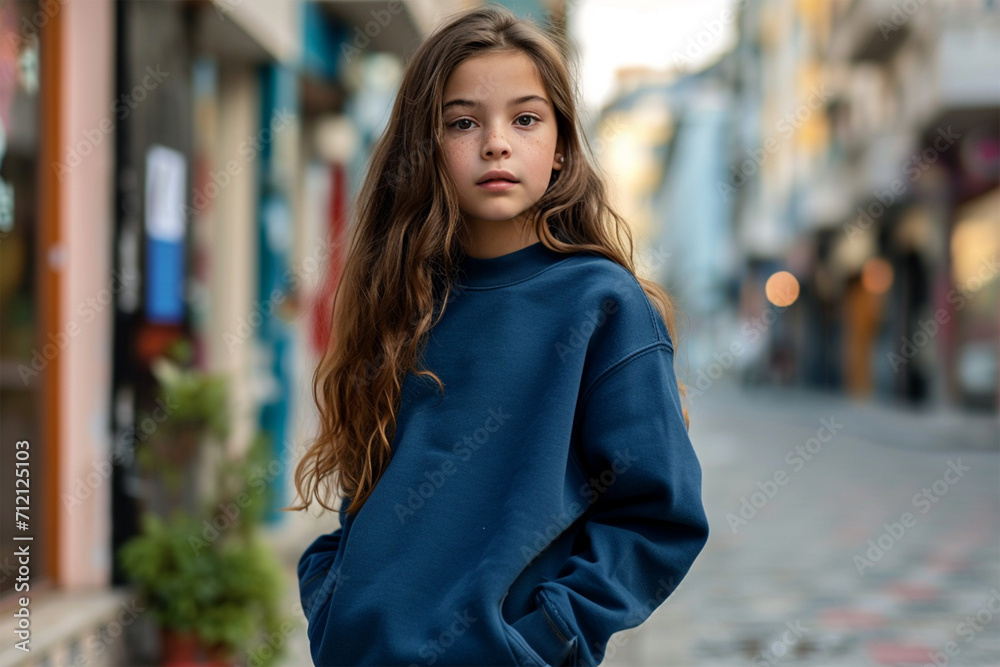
{"x":550,"y":498}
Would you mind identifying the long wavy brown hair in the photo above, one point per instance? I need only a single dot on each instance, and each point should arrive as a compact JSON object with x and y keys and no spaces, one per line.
{"x":408,"y":239}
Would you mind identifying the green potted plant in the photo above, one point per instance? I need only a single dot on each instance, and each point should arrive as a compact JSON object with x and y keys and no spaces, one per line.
{"x":211,"y":603}
{"x":189,"y":424}
{"x":211,"y":583}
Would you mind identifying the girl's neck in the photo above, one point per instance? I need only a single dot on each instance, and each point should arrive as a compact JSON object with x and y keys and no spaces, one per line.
{"x":492,"y":239}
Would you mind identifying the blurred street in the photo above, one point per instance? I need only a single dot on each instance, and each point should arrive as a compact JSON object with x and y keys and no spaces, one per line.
{"x":792,"y":564}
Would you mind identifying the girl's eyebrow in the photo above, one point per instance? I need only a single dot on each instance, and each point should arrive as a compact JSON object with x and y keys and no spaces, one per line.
{"x":471,"y":104}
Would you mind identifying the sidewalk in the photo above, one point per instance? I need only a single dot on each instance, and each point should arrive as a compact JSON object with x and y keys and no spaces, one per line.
{"x":893,"y":425}
{"x":780,"y":581}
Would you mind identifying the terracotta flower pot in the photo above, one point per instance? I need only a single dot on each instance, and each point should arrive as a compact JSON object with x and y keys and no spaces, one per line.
{"x":219,"y":656}
{"x":185,"y":649}
{"x":180,"y":649}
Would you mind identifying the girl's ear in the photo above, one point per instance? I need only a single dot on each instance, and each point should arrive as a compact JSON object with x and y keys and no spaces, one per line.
{"x":559,"y":160}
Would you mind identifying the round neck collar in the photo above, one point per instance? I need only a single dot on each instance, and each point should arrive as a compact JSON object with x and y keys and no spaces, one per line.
{"x":506,"y":269}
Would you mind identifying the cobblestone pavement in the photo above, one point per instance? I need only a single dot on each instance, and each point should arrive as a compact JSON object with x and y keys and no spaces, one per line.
{"x":842,"y":534}
{"x":875,"y":543}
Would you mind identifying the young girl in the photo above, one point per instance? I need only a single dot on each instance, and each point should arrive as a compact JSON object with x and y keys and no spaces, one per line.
{"x":498,"y":403}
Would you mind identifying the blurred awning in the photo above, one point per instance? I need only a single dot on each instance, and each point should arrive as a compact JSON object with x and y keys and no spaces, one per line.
{"x":250,"y":30}
{"x":870,"y":31}
{"x":271,"y":30}
{"x":396,"y":27}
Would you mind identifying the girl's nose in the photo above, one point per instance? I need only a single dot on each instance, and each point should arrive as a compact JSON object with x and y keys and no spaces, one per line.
{"x":496,"y":145}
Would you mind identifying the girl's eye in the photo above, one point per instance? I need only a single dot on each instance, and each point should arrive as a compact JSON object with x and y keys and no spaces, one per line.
{"x":456,"y":124}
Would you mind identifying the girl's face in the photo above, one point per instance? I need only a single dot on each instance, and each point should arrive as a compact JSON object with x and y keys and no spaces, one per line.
{"x":498,"y":116}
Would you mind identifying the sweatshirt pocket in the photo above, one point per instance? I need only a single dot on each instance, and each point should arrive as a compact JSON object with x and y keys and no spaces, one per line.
{"x":539,"y":638}
{"x":520,"y":649}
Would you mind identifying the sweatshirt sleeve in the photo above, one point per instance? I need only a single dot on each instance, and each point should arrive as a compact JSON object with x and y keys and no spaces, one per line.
{"x":645,"y":523}
{"x":315,"y":563}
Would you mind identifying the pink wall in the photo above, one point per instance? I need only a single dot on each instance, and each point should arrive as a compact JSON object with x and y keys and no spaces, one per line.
{"x":85,"y":261}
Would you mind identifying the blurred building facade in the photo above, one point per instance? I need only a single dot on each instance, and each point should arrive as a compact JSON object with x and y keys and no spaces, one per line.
{"x":847,"y":151}
{"x":56,"y":97}
{"x":664,"y":139}
{"x":867,"y":166}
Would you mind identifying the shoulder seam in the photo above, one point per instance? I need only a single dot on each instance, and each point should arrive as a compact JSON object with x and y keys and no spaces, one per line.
{"x":649,"y":306}
{"x":622,"y":363}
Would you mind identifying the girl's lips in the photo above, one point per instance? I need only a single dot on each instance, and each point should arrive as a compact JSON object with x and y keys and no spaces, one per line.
{"x":497,"y":185}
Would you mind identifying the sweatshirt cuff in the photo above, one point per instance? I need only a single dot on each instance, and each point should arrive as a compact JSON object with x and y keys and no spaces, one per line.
{"x":540,"y":633}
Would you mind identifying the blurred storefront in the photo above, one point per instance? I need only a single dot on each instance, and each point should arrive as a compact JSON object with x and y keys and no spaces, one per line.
{"x":190,"y":166}
{"x":56,"y":95}
{"x":27,"y":85}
